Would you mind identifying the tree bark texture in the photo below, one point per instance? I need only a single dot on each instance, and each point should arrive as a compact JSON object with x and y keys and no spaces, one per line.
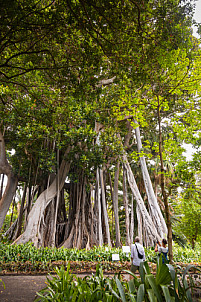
{"x":132,"y":221}
{"x":155,"y":211}
{"x":20,"y":217}
{"x":99,"y":213}
{"x":104,"y":208}
{"x":87,"y":222}
{"x":139,"y":225}
{"x":79,"y":232}
{"x":2,"y":185}
{"x":36,"y":215}
{"x":12,"y":182}
{"x":146,"y":219}
{"x":165,"y":199}
{"x":125,"y":200}
{"x":116,"y":206}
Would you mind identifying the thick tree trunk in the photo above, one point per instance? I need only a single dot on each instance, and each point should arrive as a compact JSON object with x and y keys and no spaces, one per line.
{"x":12,"y":211}
{"x":20,"y":217}
{"x":93,"y":233}
{"x":104,"y":208}
{"x":28,"y":208}
{"x":105,"y":224}
{"x":125,"y":200}
{"x":139,"y":225}
{"x":36,"y":216}
{"x":116,"y":206}
{"x":100,"y":231}
{"x":87,"y":225}
{"x":46,"y":230}
{"x":2,"y":185}
{"x":61,"y":220}
{"x":147,"y":221}
{"x":155,"y":211}
{"x":112,"y":197}
{"x":165,"y":199}
{"x":80,"y":217}
{"x":132,"y":225}
{"x":10,"y":233}
{"x":56,"y":203}
{"x":12,"y":182}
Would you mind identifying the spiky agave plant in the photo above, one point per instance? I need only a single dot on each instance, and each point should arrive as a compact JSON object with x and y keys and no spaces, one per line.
{"x":167,"y":285}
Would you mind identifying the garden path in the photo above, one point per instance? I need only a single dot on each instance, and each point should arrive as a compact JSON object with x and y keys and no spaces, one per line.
{"x":23,"y":288}
{"x":20,"y":288}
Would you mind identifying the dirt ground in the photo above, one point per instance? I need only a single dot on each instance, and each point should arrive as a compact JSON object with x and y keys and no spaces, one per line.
{"x":23,"y":288}
{"x":20,"y":288}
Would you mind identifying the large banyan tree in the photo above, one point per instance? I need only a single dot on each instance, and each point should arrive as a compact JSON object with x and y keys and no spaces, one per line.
{"x":86,"y":222}
{"x":77,"y":87}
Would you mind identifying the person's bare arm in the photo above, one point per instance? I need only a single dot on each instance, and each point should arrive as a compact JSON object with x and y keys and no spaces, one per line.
{"x":156,"y":247}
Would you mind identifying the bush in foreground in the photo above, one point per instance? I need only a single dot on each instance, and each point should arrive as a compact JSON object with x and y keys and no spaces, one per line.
{"x":167,"y":285}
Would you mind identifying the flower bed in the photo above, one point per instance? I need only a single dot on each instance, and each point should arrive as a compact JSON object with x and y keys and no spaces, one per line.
{"x":30,"y":260}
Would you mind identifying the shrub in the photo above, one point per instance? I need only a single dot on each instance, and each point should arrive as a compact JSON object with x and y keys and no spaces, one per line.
{"x":67,"y":287}
{"x":27,"y":252}
{"x":166,"y":285}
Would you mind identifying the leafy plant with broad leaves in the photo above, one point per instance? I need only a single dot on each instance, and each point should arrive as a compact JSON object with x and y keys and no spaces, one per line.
{"x":167,"y":285}
{"x":67,"y":287}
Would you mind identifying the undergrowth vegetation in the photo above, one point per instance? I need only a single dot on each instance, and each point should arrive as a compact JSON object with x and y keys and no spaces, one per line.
{"x":28,"y":252}
{"x":166,"y":285}
{"x":26,"y":258}
{"x":157,"y":281}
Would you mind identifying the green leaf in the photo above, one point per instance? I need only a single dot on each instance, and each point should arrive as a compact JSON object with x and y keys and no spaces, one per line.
{"x":152,"y":282}
{"x":142,"y":272}
{"x":121,"y":290}
{"x":166,"y":293}
{"x":146,"y":267}
{"x":175,"y":280}
{"x":140,"y":293}
{"x":112,"y":290}
{"x":163,"y":275}
{"x":151,"y":295}
{"x":187,"y":290}
{"x":131,"y":285}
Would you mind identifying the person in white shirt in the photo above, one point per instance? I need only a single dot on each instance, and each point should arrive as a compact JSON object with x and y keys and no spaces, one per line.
{"x":162,"y":249}
{"x":137,"y":255}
